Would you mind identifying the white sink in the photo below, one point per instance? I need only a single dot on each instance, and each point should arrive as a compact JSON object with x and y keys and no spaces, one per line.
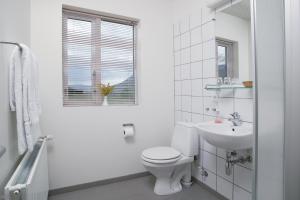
{"x":227,"y":136}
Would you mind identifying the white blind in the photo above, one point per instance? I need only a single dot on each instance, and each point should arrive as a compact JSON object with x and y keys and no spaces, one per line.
{"x":98,"y":50}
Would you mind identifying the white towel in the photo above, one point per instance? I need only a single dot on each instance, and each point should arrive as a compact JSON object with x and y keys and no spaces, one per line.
{"x":16,"y":96}
{"x":24,"y":97}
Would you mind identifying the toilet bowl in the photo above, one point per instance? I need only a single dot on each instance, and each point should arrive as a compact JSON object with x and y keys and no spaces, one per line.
{"x":172,"y":165}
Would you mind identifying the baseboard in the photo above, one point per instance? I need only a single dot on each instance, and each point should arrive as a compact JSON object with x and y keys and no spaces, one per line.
{"x":221,"y":197}
{"x":96,"y":183}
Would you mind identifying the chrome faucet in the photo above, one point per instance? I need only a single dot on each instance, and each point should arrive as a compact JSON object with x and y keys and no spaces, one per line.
{"x":236,"y":119}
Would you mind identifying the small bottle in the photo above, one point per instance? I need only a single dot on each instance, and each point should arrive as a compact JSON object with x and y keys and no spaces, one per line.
{"x":218,"y":119}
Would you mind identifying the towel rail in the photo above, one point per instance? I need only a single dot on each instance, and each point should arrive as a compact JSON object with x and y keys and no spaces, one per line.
{"x":13,"y":43}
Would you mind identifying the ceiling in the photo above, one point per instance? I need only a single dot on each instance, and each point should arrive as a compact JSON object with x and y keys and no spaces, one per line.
{"x":241,"y":9}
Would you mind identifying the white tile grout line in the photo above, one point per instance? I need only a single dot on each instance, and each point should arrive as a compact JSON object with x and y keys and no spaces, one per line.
{"x":193,"y":45}
{"x":214,"y":173}
{"x":195,"y":27}
{"x":197,"y":61}
{"x":190,"y":67}
{"x":222,"y":97}
{"x":174,"y":71}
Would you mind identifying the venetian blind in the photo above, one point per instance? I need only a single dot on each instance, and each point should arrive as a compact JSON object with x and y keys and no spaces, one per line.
{"x":98,"y":50}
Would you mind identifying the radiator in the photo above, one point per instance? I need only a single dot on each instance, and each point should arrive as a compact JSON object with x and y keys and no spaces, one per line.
{"x":30,"y":180}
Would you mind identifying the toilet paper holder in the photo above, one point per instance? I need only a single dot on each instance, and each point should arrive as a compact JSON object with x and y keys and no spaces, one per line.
{"x":127,"y":125}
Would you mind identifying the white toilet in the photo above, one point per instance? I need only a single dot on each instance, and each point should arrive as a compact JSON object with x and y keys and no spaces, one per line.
{"x":172,"y":165}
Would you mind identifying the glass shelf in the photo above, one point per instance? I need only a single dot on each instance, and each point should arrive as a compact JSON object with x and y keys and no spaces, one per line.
{"x":224,"y":87}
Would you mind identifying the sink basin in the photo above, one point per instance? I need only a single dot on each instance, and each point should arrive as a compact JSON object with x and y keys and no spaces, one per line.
{"x":227,"y":136}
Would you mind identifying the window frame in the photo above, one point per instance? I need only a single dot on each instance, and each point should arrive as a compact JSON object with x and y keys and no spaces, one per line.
{"x":230,"y":51}
{"x":95,"y":19}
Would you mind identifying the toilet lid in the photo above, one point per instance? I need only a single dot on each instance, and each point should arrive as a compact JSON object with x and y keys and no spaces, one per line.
{"x":161,"y":153}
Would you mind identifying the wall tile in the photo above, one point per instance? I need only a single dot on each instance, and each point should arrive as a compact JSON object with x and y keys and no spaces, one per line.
{"x":177,"y":43}
{"x":196,"y":36}
{"x":243,"y":177}
{"x":209,"y":162}
{"x":177,"y":59}
{"x":176,"y":29}
{"x":197,"y":118}
{"x":221,"y":153}
{"x":240,"y":194}
{"x":209,"y":49}
{"x":246,"y":153}
{"x":207,"y":15}
{"x":226,"y":93}
{"x":184,"y":24}
{"x":209,"y":103}
{"x":246,"y":94}
{"x":178,"y":102}
{"x":177,"y":72}
{"x":197,"y":87}
{"x":196,"y":53}
{"x":210,"y":180}
{"x":208,"y":118}
{"x":226,"y":106}
{"x":178,"y":116}
{"x":195,"y":19}
{"x":221,"y":163}
{"x":186,"y":102}
{"x":185,"y":56}
{"x":177,"y":87}
{"x":185,"y":71}
{"x":224,"y":188}
{"x":209,"y":148}
{"x":186,"y":88}
{"x":196,"y":70}
{"x":197,"y":105}
{"x":185,"y":40}
{"x":186,"y":117}
{"x":245,"y":108}
{"x":209,"y":68}
{"x":208,"y":31}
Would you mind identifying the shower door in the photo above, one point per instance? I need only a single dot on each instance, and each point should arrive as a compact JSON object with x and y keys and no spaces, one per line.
{"x":269,"y":95}
{"x":292,"y":105}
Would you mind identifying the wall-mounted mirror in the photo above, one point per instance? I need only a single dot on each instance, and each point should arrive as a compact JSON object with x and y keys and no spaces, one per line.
{"x":233,"y":41}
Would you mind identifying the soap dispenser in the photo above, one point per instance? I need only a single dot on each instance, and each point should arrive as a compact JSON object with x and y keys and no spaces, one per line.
{"x":218,"y":118}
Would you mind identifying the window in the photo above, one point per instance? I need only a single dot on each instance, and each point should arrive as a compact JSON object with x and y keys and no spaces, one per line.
{"x":225,"y":58}
{"x":98,"y":50}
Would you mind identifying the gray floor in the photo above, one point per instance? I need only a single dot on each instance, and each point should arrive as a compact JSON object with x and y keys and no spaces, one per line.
{"x":135,"y":189}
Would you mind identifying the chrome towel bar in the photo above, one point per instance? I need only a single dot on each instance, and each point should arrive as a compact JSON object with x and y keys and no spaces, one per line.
{"x":12,"y":43}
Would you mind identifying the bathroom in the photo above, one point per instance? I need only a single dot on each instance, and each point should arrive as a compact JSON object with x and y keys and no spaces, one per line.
{"x":140,"y":99}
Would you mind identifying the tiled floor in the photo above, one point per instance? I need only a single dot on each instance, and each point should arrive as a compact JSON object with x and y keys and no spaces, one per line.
{"x":135,"y":189}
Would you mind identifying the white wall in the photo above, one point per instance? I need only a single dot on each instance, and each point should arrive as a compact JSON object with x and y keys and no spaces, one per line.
{"x":194,"y":67}
{"x":238,"y":30}
{"x":88,"y":144}
{"x":14,"y":26}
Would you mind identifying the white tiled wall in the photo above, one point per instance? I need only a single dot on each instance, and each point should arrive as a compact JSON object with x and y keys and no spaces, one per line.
{"x":194,"y":67}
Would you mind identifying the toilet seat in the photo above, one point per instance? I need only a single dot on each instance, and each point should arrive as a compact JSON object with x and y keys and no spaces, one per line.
{"x":161,"y":155}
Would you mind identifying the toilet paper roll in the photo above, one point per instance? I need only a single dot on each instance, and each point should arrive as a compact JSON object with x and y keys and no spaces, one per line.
{"x":128,"y":131}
